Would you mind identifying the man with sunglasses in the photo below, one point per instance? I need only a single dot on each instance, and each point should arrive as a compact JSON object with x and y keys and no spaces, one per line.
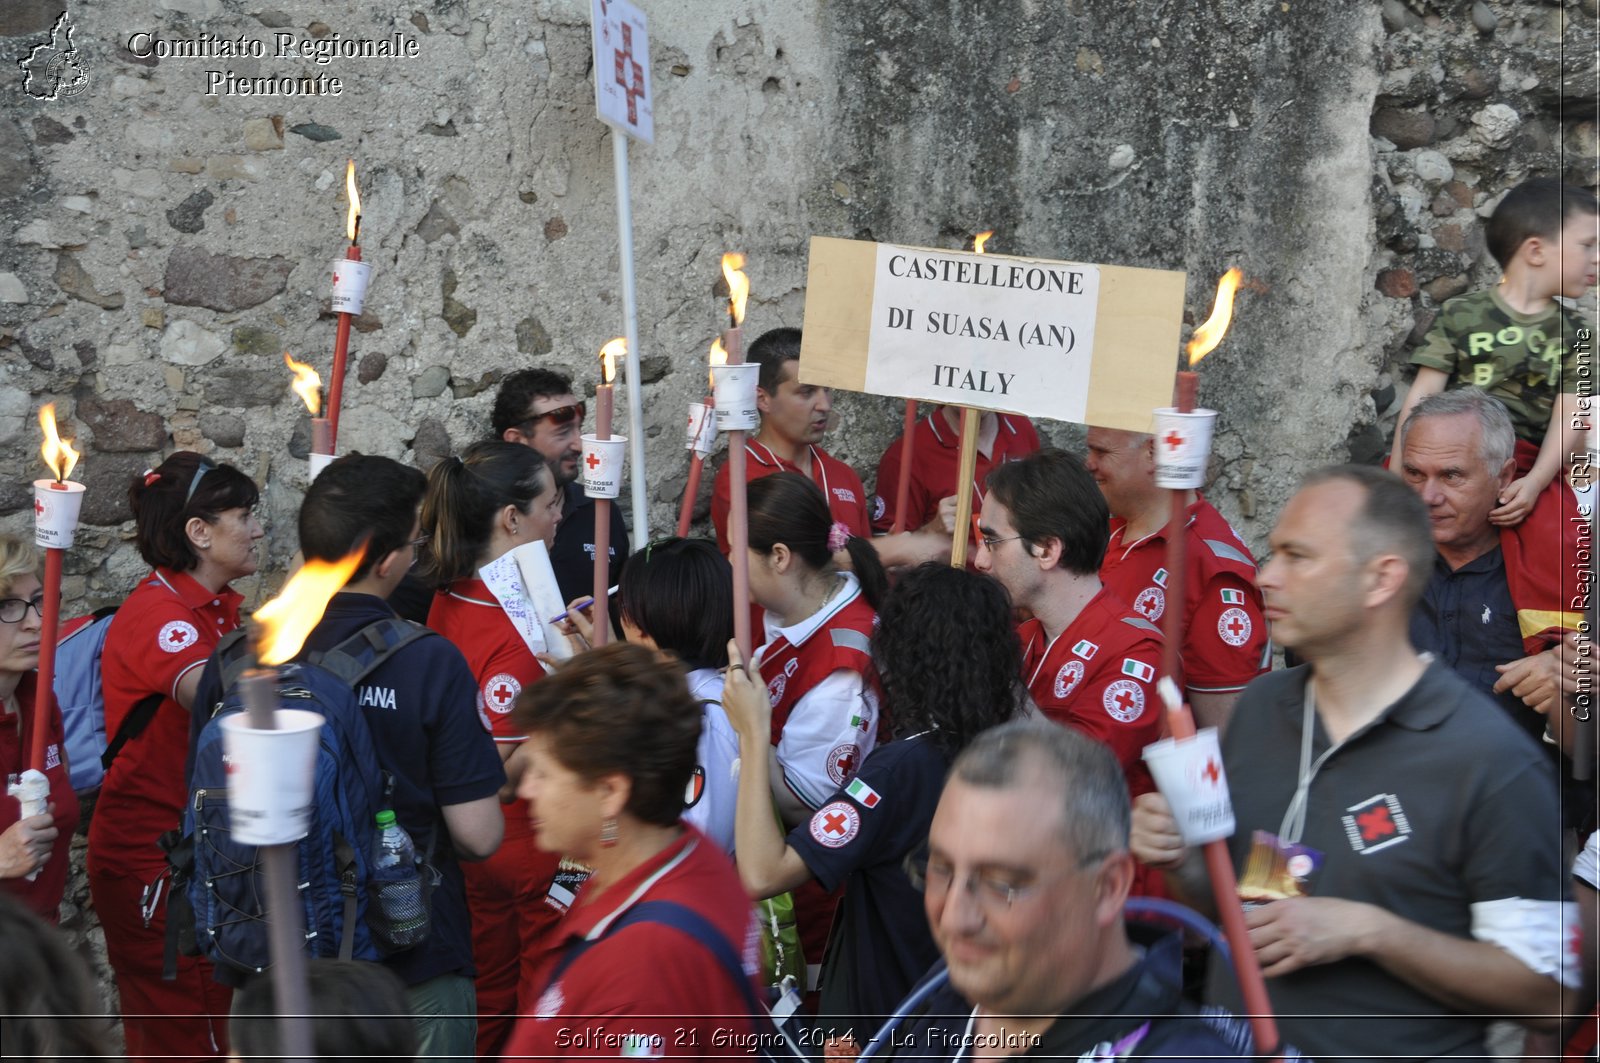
{"x":1024,"y":879}
{"x":536,"y":407}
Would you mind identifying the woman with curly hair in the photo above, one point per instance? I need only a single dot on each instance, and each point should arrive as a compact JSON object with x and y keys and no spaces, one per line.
{"x":941,"y":686}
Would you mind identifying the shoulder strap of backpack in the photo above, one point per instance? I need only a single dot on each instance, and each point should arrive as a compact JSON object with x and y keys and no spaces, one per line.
{"x":133,"y":725}
{"x":233,"y":657}
{"x":360,"y":655}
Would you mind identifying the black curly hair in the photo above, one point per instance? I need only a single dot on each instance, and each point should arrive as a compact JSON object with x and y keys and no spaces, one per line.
{"x":947,"y":655}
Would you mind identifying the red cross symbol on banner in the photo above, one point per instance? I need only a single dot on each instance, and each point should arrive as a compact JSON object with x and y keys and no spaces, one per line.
{"x":833,"y":823}
{"x":1126,"y":700}
{"x":38,"y":508}
{"x":1236,"y":626}
{"x":1173,"y":439}
{"x":632,"y":86}
{"x":1375,"y":823}
{"x":592,"y":460}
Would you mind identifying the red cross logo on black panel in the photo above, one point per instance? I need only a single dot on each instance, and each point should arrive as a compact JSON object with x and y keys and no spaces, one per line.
{"x":1375,"y":823}
{"x":629,"y":74}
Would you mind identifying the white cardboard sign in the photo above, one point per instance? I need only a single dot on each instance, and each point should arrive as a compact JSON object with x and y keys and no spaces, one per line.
{"x":622,"y":68}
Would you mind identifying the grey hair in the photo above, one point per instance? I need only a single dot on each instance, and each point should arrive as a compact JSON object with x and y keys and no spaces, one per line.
{"x":1095,"y":812}
{"x":1497,"y":440}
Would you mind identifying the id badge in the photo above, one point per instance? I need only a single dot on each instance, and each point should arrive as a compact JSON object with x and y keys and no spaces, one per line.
{"x":1276,"y":870}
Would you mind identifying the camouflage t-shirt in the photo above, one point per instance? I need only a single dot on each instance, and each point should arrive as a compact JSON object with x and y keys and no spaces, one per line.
{"x":1524,"y":360}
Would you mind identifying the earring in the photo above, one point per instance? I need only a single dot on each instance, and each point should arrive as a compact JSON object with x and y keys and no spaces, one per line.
{"x":608,"y":832}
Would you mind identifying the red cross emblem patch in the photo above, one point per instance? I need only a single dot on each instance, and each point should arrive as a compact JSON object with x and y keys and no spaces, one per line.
{"x":1151,"y":603}
{"x":1234,"y":626}
{"x":1068,"y":678}
{"x":177,"y":636}
{"x":500,"y":693}
{"x":1124,"y":700}
{"x":843,"y":760}
{"x":1376,"y":823}
{"x":835,"y":824}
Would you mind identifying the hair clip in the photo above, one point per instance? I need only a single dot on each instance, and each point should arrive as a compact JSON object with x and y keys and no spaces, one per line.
{"x":150,"y":477}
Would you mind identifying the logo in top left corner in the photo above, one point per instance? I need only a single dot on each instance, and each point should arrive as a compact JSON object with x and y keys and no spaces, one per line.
{"x":54,"y":69}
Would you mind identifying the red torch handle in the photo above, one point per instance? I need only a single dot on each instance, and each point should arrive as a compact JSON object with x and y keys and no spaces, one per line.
{"x":738,"y":515}
{"x":341,"y":346}
{"x":908,"y":449}
{"x":690,"y":492}
{"x":43,"y":706}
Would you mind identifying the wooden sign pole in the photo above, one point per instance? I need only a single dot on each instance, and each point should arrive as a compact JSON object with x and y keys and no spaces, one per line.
{"x":969,"y":467}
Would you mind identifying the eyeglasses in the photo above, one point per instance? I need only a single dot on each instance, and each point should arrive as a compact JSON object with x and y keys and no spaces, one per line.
{"x":560,"y":417}
{"x":194,"y":484}
{"x":12,"y":610}
{"x":992,"y":543}
{"x":992,"y":889}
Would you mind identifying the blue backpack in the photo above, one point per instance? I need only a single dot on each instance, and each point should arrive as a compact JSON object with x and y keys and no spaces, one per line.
{"x":78,"y":691}
{"x":224,"y":883}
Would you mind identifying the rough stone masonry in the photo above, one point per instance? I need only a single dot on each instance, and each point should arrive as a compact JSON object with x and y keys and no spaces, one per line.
{"x":168,"y":239}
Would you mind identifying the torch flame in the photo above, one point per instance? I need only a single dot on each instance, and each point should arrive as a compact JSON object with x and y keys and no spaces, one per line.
{"x":617,"y":348}
{"x":307,"y":384}
{"x":719,"y":356}
{"x":284,"y":622}
{"x":352,"y":218}
{"x":1209,"y":334}
{"x":981,"y":239}
{"x":738,"y":286}
{"x":58,"y":453}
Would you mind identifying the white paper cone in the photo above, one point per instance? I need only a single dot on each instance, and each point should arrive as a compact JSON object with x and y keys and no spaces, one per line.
{"x":600,"y":470}
{"x":350,"y":285}
{"x":318,"y":463}
{"x":55,"y":512}
{"x":1183,"y":446}
{"x":1188,"y":772}
{"x":32,"y":791}
{"x":270,"y":776}
{"x":734,"y":389}
{"x":702,"y":433}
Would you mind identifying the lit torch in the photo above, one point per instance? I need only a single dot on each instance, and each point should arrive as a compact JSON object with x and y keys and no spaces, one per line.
{"x":738,"y":503}
{"x":308,"y":385}
{"x":56,"y":503}
{"x":350,"y":276}
{"x":280,"y":629}
{"x":603,"y":398}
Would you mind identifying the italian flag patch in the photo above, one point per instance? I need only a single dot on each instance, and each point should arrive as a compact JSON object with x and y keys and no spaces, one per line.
{"x":1137,"y":669}
{"x":1086,"y":649}
{"x":1161,"y":577}
{"x":864,"y":795}
{"x":1232,"y":597}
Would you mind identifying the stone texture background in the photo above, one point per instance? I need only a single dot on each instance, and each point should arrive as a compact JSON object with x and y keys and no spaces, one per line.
{"x":163,"y":248}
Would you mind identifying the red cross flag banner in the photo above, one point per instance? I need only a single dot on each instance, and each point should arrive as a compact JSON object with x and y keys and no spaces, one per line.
{"x":1068,"y":341}
{"x":622,"y":68}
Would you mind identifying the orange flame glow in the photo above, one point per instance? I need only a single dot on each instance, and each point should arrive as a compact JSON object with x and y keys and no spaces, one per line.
{"x":617,"y":348}
{"x":980,"y":240}
{"x":58,"y":453}
{"x":738,"y":286}
{"x":1210,"y":333}
{"x":307,"y":384}
{"x":352,"y":218}
{"x":719,"y":356}
{"x":284,"y":622}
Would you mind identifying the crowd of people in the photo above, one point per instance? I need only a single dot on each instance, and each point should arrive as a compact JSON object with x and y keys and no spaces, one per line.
{"x":910,"y":823}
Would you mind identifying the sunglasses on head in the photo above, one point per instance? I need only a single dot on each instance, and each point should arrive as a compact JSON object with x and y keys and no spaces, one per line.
{"x":560,"y":417}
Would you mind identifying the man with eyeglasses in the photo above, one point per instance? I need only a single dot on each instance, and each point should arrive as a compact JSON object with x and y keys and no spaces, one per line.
{"x":1089,"y":661}
{"x":1024,"y":880}
{"x":536,"y":407}
{"x":1397,"y":838}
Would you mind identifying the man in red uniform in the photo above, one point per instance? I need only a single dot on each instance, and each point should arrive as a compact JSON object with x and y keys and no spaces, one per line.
{"x":935,"y":461}
{"x":1225,"y":643}
{"x":1089,"y":661}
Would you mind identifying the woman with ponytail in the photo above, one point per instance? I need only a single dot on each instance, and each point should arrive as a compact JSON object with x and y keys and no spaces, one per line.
{"x":492,"y":499}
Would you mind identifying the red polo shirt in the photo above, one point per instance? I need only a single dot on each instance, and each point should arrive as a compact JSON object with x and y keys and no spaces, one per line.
{"x":169,"y":625}
{"x":1225,"y":639}
{"x":648,"y":989}
{"x":43,"y":894}
{"x":847,"y":499}
{"x":935,"y":463}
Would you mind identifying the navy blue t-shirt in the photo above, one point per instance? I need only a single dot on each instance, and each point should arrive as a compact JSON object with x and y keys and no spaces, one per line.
{"x":881,"y":943}
{"x":421,"y":705}
{"x":572,"y":555}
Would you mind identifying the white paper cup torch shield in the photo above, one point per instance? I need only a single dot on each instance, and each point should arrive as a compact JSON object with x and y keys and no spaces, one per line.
{"x":350,"y":285}
{"x":55,"y":512}
{"x":600,"y":470}
{"x":319,"y":462}
{"x":1183,"y":446}
{"x":270,"y":776}
{"x":702,"y":434}
{"x":734,"y":389}
{"x":1188,"y":772}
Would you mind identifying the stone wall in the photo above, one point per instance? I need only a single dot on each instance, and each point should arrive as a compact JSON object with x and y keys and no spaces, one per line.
{"x":165,"y":246}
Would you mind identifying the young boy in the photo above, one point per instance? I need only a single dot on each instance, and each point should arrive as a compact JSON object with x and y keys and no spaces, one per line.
{"x":1515,"y":341}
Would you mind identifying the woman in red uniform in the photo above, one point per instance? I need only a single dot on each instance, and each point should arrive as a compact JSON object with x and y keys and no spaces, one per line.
{"x":38,"y":844}
{"x":494,"y":498}
{"x":196,"y":526}
{"x":660,"y":948}
{"x":816,"y":658}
